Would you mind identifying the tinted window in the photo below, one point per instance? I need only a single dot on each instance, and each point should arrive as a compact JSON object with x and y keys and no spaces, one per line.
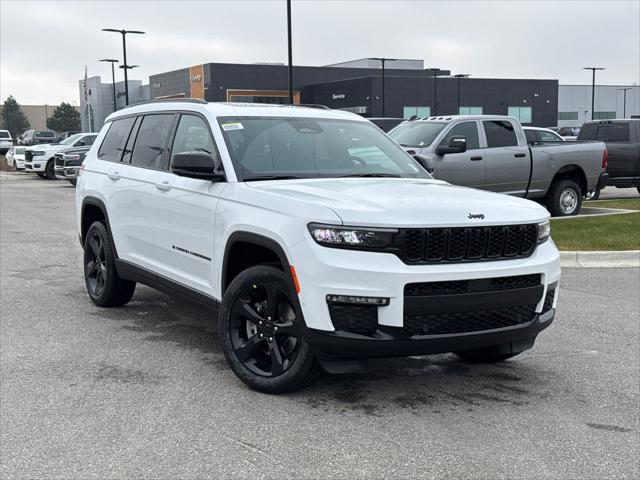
{"x":126,"y":157}
{"x":606,"y":132}
{"x":192,"y":135}
{"x":89,"y":140}
{"x":45,"y":134}
{"x":466,"y":129}
{"x":531,"y":136}
{"x":500,"y":134}
{"x":5,"y":135}
{"x":151,"y":140}
{"x":113,"y":143}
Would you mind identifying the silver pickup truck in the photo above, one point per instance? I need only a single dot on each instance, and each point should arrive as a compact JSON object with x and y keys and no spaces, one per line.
{"x":490,"y":152}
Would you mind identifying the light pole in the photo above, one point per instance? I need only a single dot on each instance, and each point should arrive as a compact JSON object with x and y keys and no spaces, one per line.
{"x":290,"y":52}
{"x":383,"y":62}
{"x":126,"y":67}
{"x":624,"y":101}
{"x":459,"y":76}
{"x":593,"y":86}
{"x":435,"y":90}
{"x":124,"y":56}
{"x":113,"y":79}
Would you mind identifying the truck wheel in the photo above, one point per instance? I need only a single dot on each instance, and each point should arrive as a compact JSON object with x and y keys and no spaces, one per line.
{"x":564,"y":198}
{"x":49,"y":170}
{"x":262,"y":333}
{"x":40,"y":174}
{"x":105,"y":287}
{"x":73,"y":181}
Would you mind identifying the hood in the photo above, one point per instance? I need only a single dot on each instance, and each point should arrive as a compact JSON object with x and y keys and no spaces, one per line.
{"x":404,"y":202}
{"x":47,"y":146}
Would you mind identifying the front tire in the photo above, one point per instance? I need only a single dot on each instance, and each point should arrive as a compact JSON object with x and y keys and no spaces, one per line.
{"x":49,"y":170}
{"x":564,"y":198}
{"x":261,"y":332}
{"x":104,"y":285}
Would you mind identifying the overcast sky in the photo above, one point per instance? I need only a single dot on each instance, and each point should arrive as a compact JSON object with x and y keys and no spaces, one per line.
{"x":44,"y":46}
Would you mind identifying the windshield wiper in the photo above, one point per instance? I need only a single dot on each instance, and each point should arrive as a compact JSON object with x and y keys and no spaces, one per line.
{"x":381,"y":175}
{"x":271,"y":177}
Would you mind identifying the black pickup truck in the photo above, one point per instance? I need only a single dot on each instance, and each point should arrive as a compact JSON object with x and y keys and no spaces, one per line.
{"x":67,"y":163}
{"x":622,"y":138}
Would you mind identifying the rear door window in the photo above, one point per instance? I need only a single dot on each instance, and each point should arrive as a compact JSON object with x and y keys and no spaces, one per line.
{"x":151,"y":141}
{"x":500,"y":133}
{"x":114,"y":141}
{"x":531,"y":136}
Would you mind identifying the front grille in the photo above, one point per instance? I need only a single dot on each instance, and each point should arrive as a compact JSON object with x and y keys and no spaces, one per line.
{"x":464,"y":322}
{"x":440,"y":245}
{"x":28,"y":156}
{"x":467,"y":286}
{"x":59,"y":161}
{"x":360,"y":319}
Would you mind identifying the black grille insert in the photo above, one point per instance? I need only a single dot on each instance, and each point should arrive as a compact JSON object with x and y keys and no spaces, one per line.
{"x":464,"y":322}
{"x":440,"y":245}
{"x":467,"y":286}
{"x":548,"y":298}
{"x":360,"y":319}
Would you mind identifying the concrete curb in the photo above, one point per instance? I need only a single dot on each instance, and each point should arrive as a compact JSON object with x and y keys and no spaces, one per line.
{"x":628,"y":258}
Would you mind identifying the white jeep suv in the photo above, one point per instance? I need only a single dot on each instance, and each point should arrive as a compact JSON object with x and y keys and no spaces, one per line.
{"x":316,"y":240}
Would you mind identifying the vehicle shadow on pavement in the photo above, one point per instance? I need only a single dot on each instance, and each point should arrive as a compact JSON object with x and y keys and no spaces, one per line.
{"x":436,"y":383}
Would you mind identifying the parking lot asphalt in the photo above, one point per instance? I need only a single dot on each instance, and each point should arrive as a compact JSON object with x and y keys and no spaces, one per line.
{"x":144,"y":391}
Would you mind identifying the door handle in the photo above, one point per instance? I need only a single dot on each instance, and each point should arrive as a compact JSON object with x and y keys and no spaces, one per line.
{"x":475,"y":159}
{"x":164,"y":186}
{"x":520,"y":155}
{"x":115,"y":176}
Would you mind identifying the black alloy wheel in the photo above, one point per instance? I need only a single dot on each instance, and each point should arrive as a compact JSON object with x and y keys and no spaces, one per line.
{"x":95,"y":264}
{"x":263,"y":332}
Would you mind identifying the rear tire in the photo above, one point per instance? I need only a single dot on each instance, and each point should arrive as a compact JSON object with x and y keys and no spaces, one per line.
{"x":49,"y":170}
{"x":261,"y":332}
{"x":564,"y":198}
{"x":104,"y":285}
{"x":593,"y":195}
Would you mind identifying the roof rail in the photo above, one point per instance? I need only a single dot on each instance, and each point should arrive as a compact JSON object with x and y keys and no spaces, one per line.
{"x":313,"y":105}
{"x":166,"y":100}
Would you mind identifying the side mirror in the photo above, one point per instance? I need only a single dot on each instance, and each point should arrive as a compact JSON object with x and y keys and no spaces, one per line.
{"x":197,"y":165}
{"x":457,"y":144}
{"x":425,"y":162}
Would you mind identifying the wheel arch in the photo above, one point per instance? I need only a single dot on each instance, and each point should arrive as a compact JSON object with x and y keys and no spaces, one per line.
{"x":94,"y":209}
{"x":253,"y":249}
{"x":571,"y":172}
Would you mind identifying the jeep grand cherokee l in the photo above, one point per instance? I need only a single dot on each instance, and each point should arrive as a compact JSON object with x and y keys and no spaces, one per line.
{"x":313,"y":236}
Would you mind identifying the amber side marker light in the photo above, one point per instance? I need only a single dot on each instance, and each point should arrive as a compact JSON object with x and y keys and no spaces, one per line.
{"x":295,"y":278}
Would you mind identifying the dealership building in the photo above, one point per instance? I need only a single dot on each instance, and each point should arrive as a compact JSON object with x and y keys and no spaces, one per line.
{"x":356,"y":86}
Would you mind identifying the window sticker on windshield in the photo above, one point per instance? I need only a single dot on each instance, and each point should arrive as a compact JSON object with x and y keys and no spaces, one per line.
{"x":232,"y":126}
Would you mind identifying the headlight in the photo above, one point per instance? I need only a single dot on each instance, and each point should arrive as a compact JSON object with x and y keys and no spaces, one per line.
{"x":71,"y":156}
{"x":544,"y":230}
{"x":37,"y":153}
{"x":352,"y":237}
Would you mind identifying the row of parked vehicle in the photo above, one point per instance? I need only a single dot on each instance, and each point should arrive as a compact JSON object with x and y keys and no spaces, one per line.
{"x":60,"y":160}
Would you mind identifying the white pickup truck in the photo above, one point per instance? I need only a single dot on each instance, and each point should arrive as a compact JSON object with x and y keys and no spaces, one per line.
{"x":491,"y":153}
{"x":40,"y":158}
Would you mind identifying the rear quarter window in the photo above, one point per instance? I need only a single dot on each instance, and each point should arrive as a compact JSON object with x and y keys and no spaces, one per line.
{"x":115,"y":139}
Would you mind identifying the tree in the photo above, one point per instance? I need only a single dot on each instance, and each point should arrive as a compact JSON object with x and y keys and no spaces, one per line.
{"x":13,"y":118}
{"x":65,"y":118}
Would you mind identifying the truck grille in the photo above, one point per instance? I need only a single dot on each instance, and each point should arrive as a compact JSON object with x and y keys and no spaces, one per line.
{"x":28,"y":156}
{"x":445,"y":245}
{"x":59,"y":161}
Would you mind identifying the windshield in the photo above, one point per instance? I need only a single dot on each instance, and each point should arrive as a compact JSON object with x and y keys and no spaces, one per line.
{"x":46,"y":133}
{"x":276,"y":147}
{"x":416,"y":134}
{"x":19,"y":151}
{"x":71,"y":139}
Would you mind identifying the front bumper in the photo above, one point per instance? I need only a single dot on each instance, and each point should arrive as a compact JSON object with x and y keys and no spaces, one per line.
{"x":66,"y":173}
{"x":394,"y":342}
{"x":325,"y":271}
{"x":35,"y":166}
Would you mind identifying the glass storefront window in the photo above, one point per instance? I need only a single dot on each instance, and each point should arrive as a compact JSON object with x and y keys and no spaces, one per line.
{"x":523,"y":114}
{"x":410,"y":111}
{"x":470,"y":111}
